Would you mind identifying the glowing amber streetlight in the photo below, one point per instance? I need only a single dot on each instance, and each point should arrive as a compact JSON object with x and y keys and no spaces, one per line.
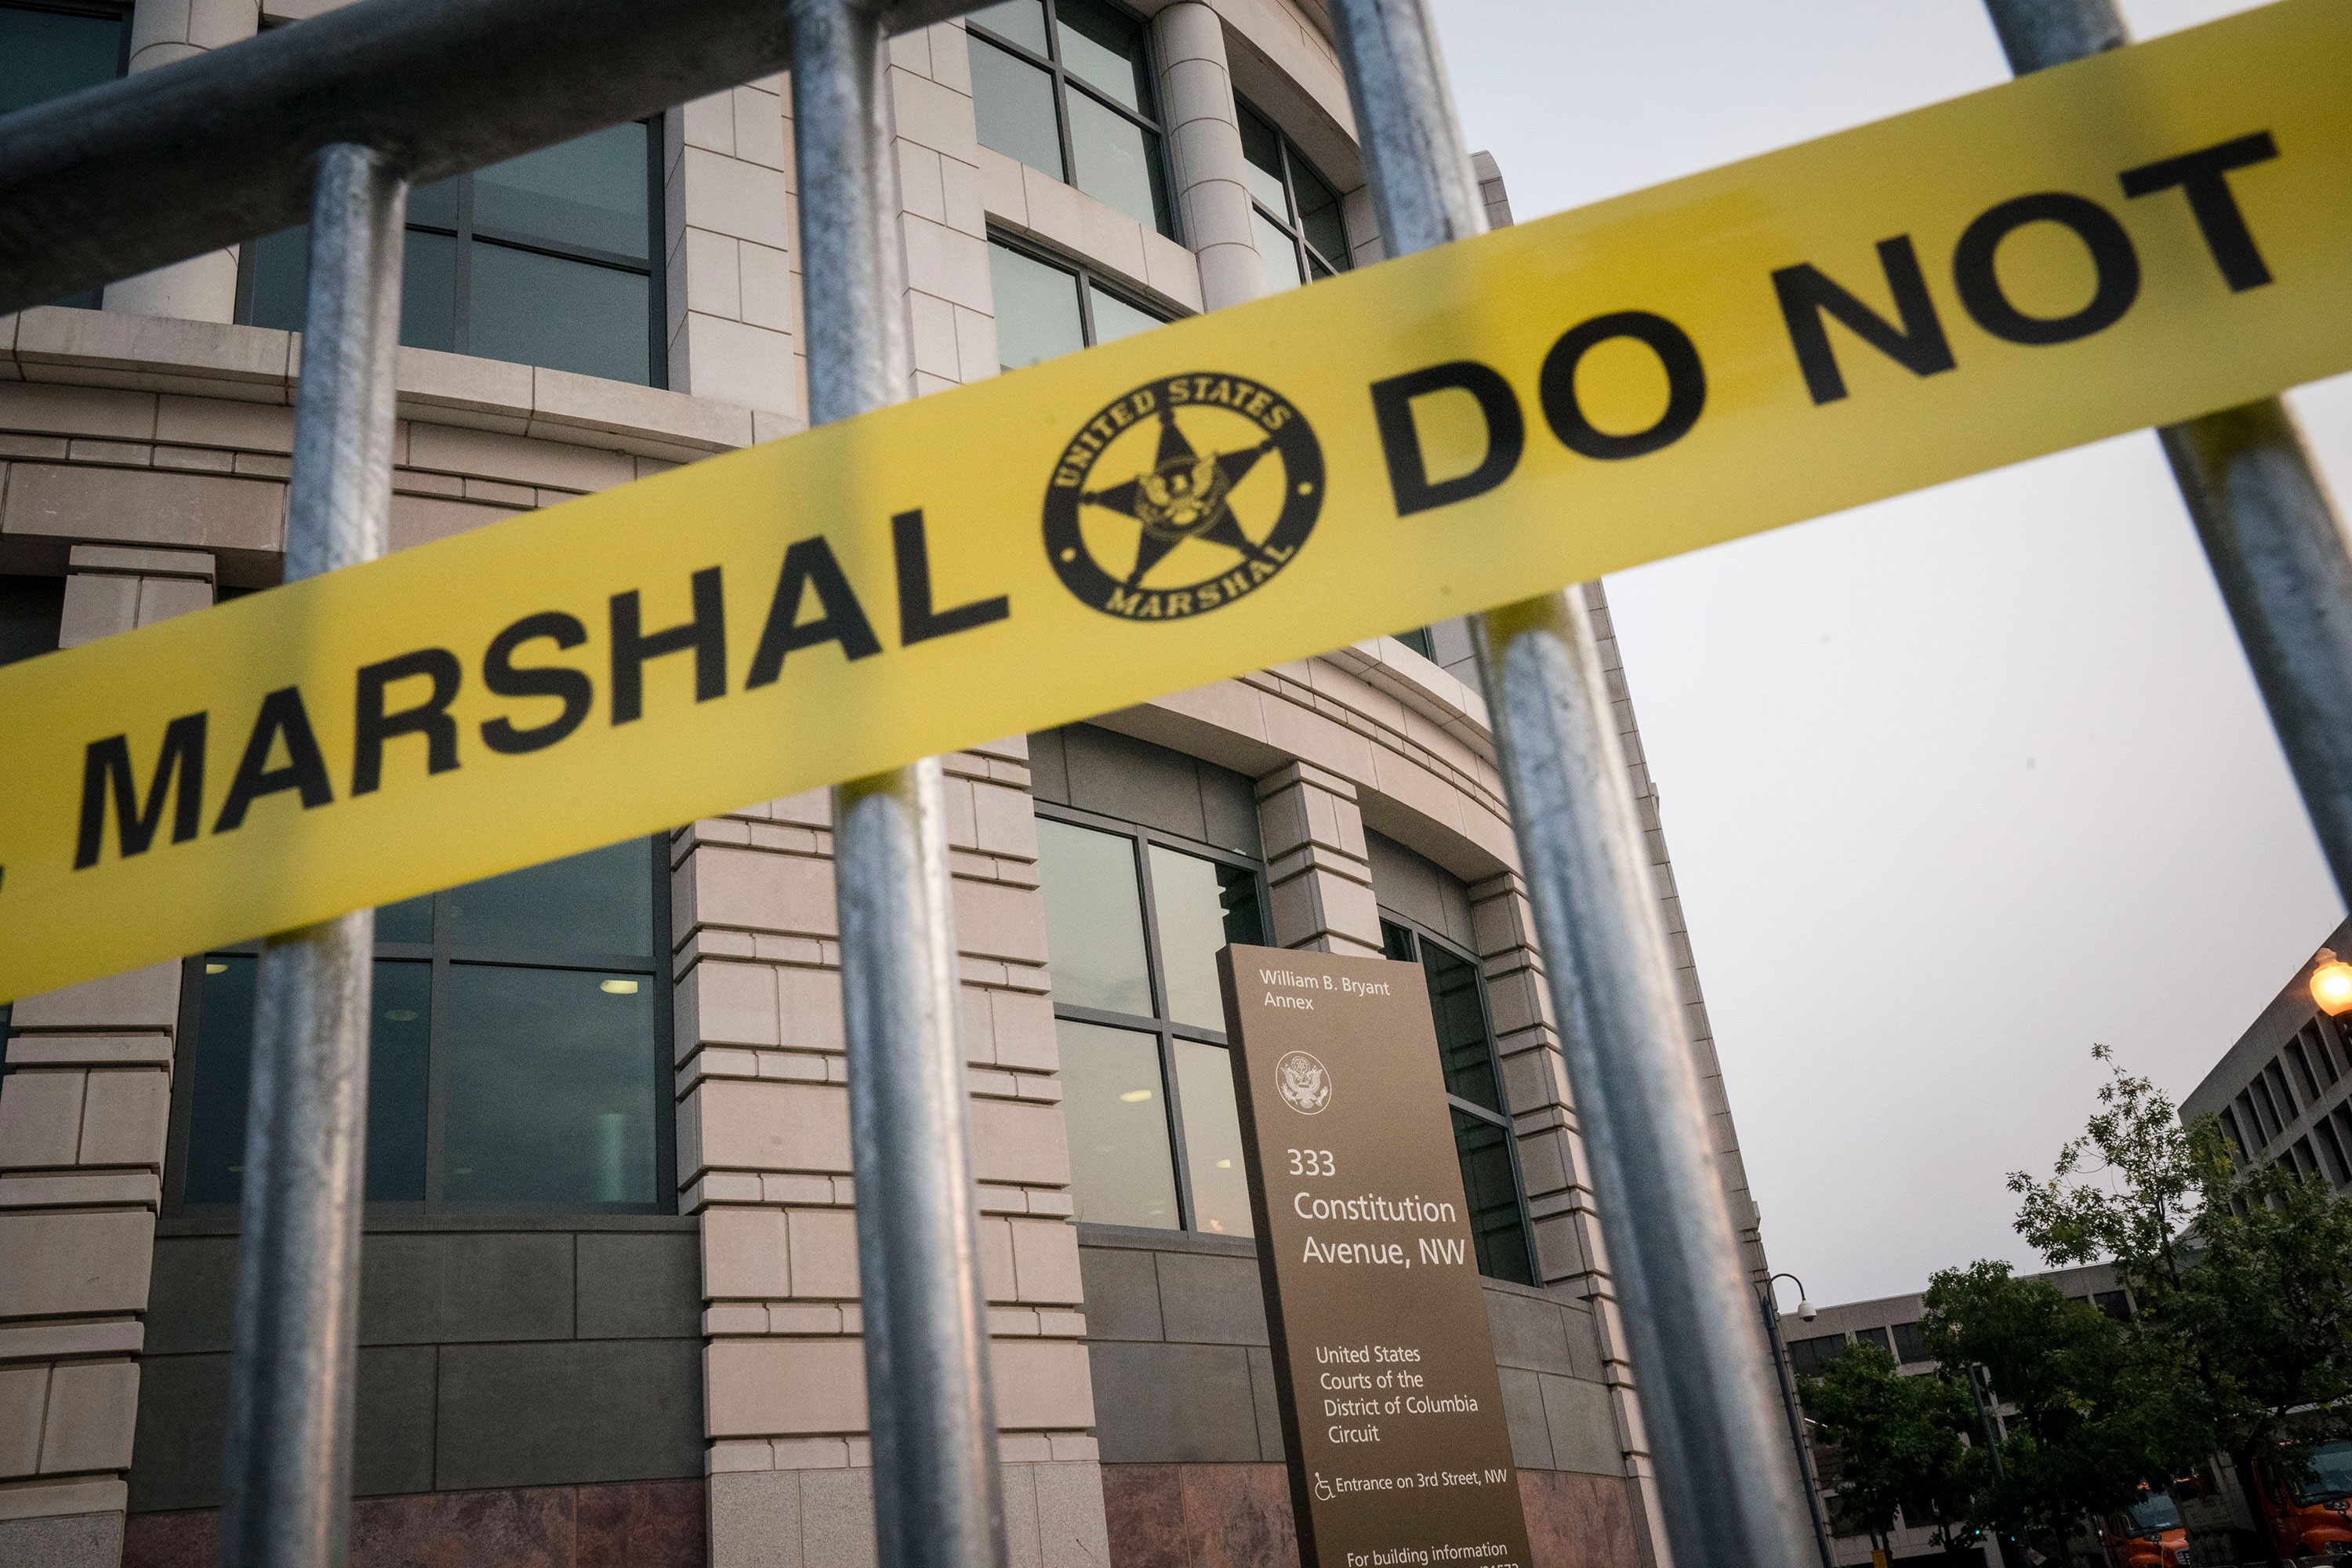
{"x":2331,"y":983}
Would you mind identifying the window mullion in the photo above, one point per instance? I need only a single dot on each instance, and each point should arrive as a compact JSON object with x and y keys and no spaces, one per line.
{"x":461,"y":271}
{"x":1188,"y":1215}
{"x":436,"y":1086}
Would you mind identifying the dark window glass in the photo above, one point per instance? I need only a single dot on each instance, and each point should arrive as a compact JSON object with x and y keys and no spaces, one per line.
{"x":2230,"y":1128}
{"x":1910,"y":1344}
{"x":1093,"y":919}
{"x":545,"y":259}
{"x":2338,"y":1172}
{"x":1013,"y":104}
{"x":1119,"y":161}
{"x":2115,"y":1304}
{"x":1064,"y":86}
{"x":1876,"y":1336}
{"x":1490,"y":1184}
{"x":1134,"y":920}
{"x":1044,"y":310}
{"x":1457,"y":1001}
{"x":551,"y":1091}
{"x":516,"y":1048}
{"x":32,"y":615}
{"x":1811,"y":1358}
{"x":1020,"y":21}
{"x":589,"y":192}
{"x":1103,"y":46}
{"x":596,"y":903}
{"x":2272,"y":1124}
{"x":2317,"y":1036}
{"x":1418,"y":640}
{"x":1483,"y":1138}
{"x":1038,"y":312}
{"x":2286,"y":1093}
{"x":1118,"y":1122}
{"x":1301,"y":232}
{"x":2303,"y":1066}
{"x":1213,"y":1138}
{"x":49,"y":54}
{"x":1203,"y":905}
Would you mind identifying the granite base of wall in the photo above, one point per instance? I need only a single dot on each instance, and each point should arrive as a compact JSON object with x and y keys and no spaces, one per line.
{"x":630,"y":1524}
{"x":1238,"y":1516}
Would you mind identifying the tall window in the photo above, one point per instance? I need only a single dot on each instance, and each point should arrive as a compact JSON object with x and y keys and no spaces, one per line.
{"x":49,"y":51}
{"x":1064,"y":86}
{"x":1046,"y":309}
{"x":545,"y":259}
{"x":517,"y":1049}
{"x":1301,"y":235}
{"x":1133,"y":921}
{"x":32,"y":615}
{"x":1473,"y":1094}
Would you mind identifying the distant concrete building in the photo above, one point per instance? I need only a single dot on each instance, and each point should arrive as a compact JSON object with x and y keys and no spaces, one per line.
{"x":1892,"y":1323}
{"x":2281,"y":1092}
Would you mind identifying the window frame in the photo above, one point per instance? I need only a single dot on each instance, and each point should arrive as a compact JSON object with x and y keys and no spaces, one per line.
{"x":443,"y":956}
{"x":654,"y":268}
{"x":1309,"y":258}
{"x":1503,"y":1121}
{"x":1090,"y":277}
{"x":1165,"y":1030}
{"x":1153,"y":125}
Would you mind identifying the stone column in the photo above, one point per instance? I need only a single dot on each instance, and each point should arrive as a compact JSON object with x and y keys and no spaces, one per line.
{"x":1196,"y":96}
{"x":83,"y":1113}
{"x":203,"y":287}
{"x":763,"y":1157}
{"x":726,"y":172}
{"x":1316,"y":864}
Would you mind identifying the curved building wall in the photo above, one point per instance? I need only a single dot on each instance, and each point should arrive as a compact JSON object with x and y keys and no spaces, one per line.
{"x":146,"y":450}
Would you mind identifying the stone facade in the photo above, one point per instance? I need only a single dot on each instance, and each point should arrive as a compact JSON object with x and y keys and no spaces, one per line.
{"x":146,"y":450}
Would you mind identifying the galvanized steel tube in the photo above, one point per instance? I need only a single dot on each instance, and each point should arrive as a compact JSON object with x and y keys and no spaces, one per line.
{"x":1729,"y":1486}
{"x":291,"y":1378}
{"x":2261,"y":511}
{"x":938,"y":1496}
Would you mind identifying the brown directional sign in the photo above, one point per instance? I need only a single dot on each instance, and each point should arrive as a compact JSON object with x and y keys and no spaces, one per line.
{"x":1391,"y":1412}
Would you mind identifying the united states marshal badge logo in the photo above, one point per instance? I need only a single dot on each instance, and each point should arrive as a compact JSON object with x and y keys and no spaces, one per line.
{"x":1182,"y":496}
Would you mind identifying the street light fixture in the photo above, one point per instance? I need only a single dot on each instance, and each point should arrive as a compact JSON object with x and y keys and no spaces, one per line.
{"x":1771,"y":1304}
{"x":2331,"y":983}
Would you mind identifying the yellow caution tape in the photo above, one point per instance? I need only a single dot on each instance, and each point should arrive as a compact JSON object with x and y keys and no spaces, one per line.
{"x":2126,"y":241}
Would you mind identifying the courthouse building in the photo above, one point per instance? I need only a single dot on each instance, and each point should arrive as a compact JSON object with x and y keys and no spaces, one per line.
{"x":610,"y":1295}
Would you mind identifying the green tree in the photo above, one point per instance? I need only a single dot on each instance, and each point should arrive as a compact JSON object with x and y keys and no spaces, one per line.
{"x":2078,"y":1439}
{"x":1899,"y":1445}
{"x":2242,"y":1278}
{"x":2268,"y":1306}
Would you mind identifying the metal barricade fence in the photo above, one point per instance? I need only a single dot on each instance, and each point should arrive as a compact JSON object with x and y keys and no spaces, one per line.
{"x":209,"y":152}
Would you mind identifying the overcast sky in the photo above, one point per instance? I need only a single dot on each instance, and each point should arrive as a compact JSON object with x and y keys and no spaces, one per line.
{"x":1955,"y":785}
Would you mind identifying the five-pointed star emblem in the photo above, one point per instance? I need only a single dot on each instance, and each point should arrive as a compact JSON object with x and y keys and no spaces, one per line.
{"x":1183,"y":496}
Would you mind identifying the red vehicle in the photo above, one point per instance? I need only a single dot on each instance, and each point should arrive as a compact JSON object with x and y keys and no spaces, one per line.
{"x":2149,"y":1534}
{"x":2311,"y":1518}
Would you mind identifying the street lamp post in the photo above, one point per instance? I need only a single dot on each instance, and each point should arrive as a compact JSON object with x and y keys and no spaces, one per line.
{"x":1772,"y":1306}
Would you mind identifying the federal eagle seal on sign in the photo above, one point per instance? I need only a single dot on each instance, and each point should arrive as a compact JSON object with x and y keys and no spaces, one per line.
{"x":1182,"y":497}
{"x":1306,"y":1086}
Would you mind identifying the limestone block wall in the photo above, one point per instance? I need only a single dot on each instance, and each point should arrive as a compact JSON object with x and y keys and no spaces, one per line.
{"x":764,"y":1159}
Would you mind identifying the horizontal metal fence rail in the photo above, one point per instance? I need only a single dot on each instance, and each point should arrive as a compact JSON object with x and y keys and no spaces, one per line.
{"x":205,"y":152}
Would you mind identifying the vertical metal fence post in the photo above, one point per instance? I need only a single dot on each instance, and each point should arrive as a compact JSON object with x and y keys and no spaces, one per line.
{"x":938,"y":1496}
{"x":2262,"y":513}
{"x":1729,"y":1484}
{"x":288,"y":1494}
